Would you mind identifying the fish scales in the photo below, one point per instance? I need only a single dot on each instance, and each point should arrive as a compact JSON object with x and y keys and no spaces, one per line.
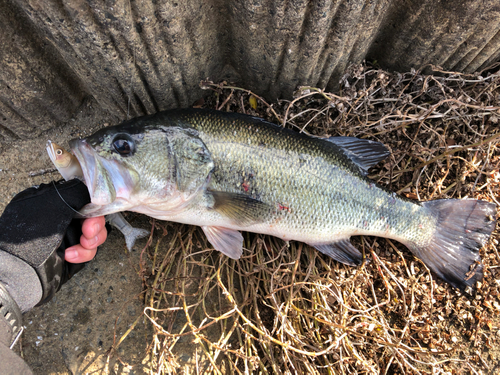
{"x":313,"y":187}
{"x":228,"y":172}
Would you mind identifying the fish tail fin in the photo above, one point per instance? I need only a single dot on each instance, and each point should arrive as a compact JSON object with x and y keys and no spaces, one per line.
{"x":463,"y":227}
{"x":132,"y":234}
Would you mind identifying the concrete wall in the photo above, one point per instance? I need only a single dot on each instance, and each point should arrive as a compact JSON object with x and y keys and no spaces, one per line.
{"x":136,"y":57}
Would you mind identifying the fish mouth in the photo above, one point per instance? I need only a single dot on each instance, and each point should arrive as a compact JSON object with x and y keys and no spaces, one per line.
{"x":85,"y":155}
{"x":50,"y":151}
{"x":107,"y":179}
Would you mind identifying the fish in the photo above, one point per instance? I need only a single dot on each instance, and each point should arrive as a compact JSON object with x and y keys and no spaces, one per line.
{"x":229,"y":172}
{"x":66,"y":163}
{"x":69,"y":168}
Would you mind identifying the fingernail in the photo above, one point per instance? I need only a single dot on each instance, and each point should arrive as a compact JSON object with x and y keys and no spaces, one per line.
{"x":93,"y":241}
{"x":97,"y":228}
{"x":71,"y":254}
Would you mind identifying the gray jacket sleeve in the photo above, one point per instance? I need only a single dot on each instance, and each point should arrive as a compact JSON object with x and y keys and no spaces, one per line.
{"x":10,"y":320}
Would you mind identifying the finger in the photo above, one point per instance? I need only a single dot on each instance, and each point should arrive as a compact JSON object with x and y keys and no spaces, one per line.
{"x":93,"y":226}
{"x":87,"y":248}
{"x":92,"y":242}
{"x":78,"y":254}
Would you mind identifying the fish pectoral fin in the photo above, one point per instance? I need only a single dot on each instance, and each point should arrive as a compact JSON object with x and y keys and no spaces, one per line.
{"x":241,"y":209}
{"x":363,"y":152}
{"x":228,"y":241}
{"x":342,"y":251}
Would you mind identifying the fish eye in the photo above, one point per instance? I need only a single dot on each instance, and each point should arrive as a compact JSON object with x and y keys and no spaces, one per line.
{"x":123,"y":145}
{"x":59,"y":152}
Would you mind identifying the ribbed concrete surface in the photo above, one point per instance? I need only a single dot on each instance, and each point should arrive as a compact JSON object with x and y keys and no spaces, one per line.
{"x":137,"y":57}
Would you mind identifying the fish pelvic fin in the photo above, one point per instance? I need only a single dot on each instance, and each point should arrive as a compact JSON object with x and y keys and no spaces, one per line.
{"x":342,"y":251}
{"x":228,"y":241}
{"x":463,"y":227}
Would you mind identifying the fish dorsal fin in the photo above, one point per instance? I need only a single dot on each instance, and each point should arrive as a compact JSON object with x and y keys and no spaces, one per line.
{"x":342,"y":251}
{"x":228,"y":241}
{"x":363,"y":152}
{"x":241,"y":209}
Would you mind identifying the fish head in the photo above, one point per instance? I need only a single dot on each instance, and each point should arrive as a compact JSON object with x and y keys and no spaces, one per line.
{"x":65,"y":162}
{"x":148,"y":169}
{"x":58,"y":155}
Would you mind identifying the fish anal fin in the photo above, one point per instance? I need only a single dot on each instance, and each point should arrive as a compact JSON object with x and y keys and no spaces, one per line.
{"x":227,"y":241}
{"x":342,"y":251}
{"x":241,"y":209}
{"x":363,"y":152}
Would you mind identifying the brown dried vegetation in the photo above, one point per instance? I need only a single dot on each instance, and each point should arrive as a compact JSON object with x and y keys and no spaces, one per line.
{"x":286,"y":308}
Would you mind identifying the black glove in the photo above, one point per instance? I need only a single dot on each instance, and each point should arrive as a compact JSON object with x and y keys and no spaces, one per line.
{"x":35,"y":229}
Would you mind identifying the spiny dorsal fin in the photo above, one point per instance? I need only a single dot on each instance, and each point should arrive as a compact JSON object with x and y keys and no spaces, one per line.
{"x":363,"y":152}
{"x":242,"y":209}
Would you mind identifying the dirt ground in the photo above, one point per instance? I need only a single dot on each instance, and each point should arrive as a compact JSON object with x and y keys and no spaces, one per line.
{"x":74,"y":332}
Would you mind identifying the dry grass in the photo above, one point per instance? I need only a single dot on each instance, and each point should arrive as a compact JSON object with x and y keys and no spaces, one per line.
{"x":285,"y":308}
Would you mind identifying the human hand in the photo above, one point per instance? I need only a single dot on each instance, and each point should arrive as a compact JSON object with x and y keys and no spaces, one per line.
{"x":36,"y":228}
{"x":94,"y":234}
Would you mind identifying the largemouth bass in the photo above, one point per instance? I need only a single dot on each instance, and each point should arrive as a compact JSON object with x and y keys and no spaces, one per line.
{"x":69,"y":168}
{"x":228,"y":172}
